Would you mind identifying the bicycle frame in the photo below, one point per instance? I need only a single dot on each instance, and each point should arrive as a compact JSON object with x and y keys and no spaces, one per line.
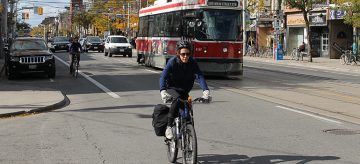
{"x":75,"y":65}
{"x":184,"y":134}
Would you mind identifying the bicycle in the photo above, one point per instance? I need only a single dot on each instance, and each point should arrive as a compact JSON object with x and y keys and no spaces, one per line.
{"x":251,"y":51}
{"x":75,"y":65}
{"x":295,"y":54}
{"x":184,"y":134}
{"x":347,"y":58}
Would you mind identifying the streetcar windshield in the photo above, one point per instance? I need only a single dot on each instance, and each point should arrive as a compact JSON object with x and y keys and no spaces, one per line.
{"x":220,"y":25}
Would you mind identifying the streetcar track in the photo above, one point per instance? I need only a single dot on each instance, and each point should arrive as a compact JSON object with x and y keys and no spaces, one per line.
{"x":255,"y":94}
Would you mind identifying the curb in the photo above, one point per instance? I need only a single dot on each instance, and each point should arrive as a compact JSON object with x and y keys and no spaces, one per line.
{"x":51,"y":107}
{"x":324,"y":68}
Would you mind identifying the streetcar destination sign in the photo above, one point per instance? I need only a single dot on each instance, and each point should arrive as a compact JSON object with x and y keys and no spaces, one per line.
{"x":223,"y":3}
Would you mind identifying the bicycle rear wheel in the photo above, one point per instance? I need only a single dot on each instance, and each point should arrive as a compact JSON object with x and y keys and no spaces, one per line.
{"x":73,"y":67}
{"x":190,"y":145}
{"x":76,"y":70}
{"x":343,"y":59}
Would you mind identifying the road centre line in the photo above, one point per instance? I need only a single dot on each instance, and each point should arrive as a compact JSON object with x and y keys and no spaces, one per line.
{"x":309,"y":114}
{"x":99,"y":85}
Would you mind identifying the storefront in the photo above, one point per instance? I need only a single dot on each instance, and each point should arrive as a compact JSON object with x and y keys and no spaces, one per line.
{"x":295,"y":31}
{"x":264,"y":30}
{"x":340,"y":34}
{"x":319,"y":34}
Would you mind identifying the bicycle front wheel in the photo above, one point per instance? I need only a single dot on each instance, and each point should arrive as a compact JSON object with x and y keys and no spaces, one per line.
{"x":172,"y":150}
{"x":190,"y":145}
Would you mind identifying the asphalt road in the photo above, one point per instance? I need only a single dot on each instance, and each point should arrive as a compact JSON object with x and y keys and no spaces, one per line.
{"x":260,"y":118}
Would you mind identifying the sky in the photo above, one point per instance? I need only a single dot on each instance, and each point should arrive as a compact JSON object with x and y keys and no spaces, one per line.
{"x":50,"y":8}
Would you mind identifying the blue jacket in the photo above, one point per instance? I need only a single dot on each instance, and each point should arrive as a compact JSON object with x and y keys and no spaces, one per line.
{"x":181,"y":76}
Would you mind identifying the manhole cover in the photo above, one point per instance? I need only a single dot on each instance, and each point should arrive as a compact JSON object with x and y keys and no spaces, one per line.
{"x":342,"y":131}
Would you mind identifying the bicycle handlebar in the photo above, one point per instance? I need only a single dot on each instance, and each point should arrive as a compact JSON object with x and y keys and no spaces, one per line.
{"x":198,"y":99}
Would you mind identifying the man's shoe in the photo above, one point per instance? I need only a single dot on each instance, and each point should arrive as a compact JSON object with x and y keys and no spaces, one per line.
{"x":168,"y":133}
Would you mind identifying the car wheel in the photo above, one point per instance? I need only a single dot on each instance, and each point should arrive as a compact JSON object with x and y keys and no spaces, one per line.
{"x":129,"y":55}
{"x":124,"y":55}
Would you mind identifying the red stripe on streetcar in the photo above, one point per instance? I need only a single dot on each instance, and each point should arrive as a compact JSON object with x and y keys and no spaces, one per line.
{"x":161,"y":7}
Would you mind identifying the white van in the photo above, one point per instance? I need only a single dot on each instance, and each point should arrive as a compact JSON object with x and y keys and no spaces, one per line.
{"x":117,"y":44}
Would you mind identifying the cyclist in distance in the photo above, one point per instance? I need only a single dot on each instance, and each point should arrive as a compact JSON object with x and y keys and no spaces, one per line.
{"x":75,"y":49}
{"x":301,"y":47}
{"x":177,"y":80}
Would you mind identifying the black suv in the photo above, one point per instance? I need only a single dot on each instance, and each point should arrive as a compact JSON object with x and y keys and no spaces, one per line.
{"x":60,"y":43}
{"x":93,"y":43}
{"x":28,"y":55}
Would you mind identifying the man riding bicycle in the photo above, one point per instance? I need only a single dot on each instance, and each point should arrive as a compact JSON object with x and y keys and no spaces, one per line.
{"x":75,"y":49}
{"x":177,"y":80}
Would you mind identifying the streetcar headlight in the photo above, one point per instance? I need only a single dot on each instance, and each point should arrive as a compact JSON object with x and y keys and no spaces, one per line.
{"x":225,"y":49}
{"x":205,"y":50}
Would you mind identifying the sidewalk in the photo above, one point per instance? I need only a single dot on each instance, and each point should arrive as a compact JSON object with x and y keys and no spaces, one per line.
{"x":318,"y":63}
{"x":19,"y":99}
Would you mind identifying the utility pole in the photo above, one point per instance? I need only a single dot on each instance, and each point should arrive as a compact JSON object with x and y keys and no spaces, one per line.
{"x":128,"y":20}
{"x":3,"y":26}
{"x":244,"y":3}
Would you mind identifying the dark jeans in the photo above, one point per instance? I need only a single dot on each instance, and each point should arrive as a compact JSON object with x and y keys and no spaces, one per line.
{"x":174,"y":109}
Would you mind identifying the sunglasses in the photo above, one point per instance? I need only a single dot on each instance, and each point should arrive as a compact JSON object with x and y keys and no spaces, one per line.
{"x":183,"y":54}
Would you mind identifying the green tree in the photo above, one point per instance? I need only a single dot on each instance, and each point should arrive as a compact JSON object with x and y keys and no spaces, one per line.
{"x":83,"y":19}
{"x":352,"y":8}
{"x":305,"y":6}
{"x":22,"y":25}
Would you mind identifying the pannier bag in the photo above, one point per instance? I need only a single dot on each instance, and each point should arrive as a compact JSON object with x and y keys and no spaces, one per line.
{"x":160,"y":117}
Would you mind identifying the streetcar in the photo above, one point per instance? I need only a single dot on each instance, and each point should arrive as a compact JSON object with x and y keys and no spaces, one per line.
{"x":213,"y":26}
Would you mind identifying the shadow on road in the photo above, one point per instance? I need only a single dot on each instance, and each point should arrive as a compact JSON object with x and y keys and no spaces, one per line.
{"x":266,"y":159}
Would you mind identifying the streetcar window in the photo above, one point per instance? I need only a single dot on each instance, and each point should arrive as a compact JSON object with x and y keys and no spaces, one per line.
{"x":143,"y":26}
{"x":151,"y":26}
{"x":219,"y":25}
{"x":169,"y":24}
{"x":175,"y":29}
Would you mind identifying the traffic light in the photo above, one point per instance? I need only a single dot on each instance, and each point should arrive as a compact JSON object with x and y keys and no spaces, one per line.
{"x":40,"y":11}
{"x":25,"y":15}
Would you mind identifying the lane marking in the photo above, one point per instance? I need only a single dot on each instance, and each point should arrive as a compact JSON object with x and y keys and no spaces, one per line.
{"x":311,"y":115}
{"x":99,"y":85}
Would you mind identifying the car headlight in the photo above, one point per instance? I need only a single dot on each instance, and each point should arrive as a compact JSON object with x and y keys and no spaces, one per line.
{"x":14,"y":58}
{"x":130,"y":47}
{"x":49,"y":57}
{"x":112,"y":46}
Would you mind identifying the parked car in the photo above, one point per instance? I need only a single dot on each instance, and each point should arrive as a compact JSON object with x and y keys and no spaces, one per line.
{"x":28,"y":55}
{"x":60,"y":43}
{"x":93,"y":43}
{"x":117,"y":44}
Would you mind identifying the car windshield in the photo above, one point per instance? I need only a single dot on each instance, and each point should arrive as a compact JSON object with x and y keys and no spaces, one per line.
{"x":61,"y":39}
{"x":93,"y":39}
{"x":118,"y":40}
{"x":28,"y":45}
